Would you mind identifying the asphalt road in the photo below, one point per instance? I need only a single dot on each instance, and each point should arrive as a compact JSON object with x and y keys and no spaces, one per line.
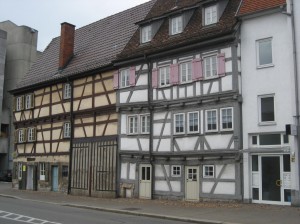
{"x":13,"y":211}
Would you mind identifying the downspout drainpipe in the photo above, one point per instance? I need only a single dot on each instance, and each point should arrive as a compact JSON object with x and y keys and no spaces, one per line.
{"x":71,"y":138}
{"x":296,"y":85}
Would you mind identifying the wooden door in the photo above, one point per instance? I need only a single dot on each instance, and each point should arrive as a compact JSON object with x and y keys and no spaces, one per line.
{"x":145,"y":188}
{"x":192,"y":183}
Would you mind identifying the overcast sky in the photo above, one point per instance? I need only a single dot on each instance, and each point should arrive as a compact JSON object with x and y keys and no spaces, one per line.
{"x":47,"y":15}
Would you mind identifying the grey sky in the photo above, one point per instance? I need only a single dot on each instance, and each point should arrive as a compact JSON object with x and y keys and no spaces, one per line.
{"x":47,"y":15}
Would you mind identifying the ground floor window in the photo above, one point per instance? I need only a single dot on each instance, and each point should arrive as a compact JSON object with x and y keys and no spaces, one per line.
{"x":42,"y":171}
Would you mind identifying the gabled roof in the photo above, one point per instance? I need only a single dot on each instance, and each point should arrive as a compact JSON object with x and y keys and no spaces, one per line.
{"x":194,"y":32}
{"x":254,"y":6}
{"x":96,"y":45}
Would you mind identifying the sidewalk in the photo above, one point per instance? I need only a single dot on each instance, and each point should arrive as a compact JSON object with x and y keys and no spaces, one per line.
{"x":200,"y":212}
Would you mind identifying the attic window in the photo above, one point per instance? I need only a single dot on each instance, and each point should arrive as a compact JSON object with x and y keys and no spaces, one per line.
{"x":210,"y":14}
{"x":176,"y":25}
{"x":146,"y":34}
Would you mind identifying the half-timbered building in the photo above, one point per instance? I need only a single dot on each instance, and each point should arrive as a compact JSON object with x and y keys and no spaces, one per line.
{"x":65,"y":110}
{"x":179,"y":96}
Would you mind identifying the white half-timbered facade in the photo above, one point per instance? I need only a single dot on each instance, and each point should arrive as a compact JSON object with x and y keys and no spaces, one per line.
{"x":180,"y":107}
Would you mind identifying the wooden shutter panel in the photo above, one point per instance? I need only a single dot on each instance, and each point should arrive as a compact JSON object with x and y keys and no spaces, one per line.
{"x":221,"y":64}
{"x":47,"y":169}
{"x":132,"y":76}
{"x":174,"y":73}
{"x":197,"y":72}
{"x":116,"y":80}
{"x":155,"y":78}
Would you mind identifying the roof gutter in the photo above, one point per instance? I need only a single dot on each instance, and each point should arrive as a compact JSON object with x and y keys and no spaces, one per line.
{"x":172,"y":50}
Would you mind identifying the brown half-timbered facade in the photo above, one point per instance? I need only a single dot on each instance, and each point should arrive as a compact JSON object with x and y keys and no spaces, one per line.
{"x":64,"y":110}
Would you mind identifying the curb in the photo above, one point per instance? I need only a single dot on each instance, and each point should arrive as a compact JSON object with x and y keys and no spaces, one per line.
{"x":151,"y":215}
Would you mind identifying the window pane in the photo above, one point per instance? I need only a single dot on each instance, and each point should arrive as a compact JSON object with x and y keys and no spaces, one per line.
{"x":270,"y":139}
{"x":286,"y":163}
{"x":267,"y":109}
{"x":287,"y":195}
{"x":254,"y":163}
{"x":255,"y":194}
{"x":285,"y":139}
{"x":265,"y":52}
{"x":254,"y":140}
{"x":148,"y":173}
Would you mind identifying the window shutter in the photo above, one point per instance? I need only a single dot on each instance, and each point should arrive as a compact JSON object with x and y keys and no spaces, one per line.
{"x":221,"y":64}
{"x":116,"y":80}
{"x":34,"y":134}
{"x":174,"y":73}
{"x":32,"y":100}
{"x":197,"y":73}
{"x":155,"y":78}
{"x":22,"y":102}
{"x":132,"y":76}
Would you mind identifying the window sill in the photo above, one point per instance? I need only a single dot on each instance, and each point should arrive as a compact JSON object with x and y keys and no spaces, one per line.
{"x":166,"y":86}
{"x":269,"y":123}
{"x":265,"y":66}
{"x":211,"y":132}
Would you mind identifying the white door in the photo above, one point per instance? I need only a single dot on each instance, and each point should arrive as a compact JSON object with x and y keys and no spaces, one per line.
{"x":29,"y":185}
{"x":271,"y":178}
{"x":192,"y":183}
{"x":145,"y":190}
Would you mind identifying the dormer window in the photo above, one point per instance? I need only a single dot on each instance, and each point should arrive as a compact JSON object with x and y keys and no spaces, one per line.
{"x":210,"y":14}
{"x":146,"y":34}
{"x":176,"y":25}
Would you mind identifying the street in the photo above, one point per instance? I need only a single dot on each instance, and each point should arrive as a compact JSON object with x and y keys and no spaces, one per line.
{"x":15,"y":211}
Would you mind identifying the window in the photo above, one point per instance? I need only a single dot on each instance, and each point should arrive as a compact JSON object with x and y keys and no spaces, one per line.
{"x":176,"y":25}
{"x":267,"y":112}
{"x":133,"y":124}
{"x":193,"y":122}
{"x":226,"y":119}
{"x":21,"y":135}
{"x":208,"y":171}
{"x":164,"y":76}
{"x":268,"y":139}
{"x":186,"y":72}
{"x":42,"y":171}
{"x":146,"y":34}
{"x":264,"y":52}
{"x":145,"y":124}
{"x":211,"y":120}
{"x":210,"y":15}
{"x":20,"y":168}
{"x":29,"y":101}
{"x":31,"y":133}
{"x":176,"y":171}
{"x":19,"y":103}
{"x":67,"y":130}
{"x":124,"y":78}
{"x":67,"y":91}
{"x":179,"y":123}
{"x":210,"y":66}
{"x":65,"y":171}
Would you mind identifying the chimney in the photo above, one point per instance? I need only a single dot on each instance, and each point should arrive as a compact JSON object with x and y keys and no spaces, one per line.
{"x":66,"y":44}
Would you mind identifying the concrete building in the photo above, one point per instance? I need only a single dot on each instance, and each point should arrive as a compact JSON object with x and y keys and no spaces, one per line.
{"x":18,"y":50}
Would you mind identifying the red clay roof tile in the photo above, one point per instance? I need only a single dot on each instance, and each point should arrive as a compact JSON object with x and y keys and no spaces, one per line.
{"x":252,"y":6}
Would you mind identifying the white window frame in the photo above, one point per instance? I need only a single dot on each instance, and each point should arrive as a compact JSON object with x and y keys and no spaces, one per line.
{"x":124,"y":78}
{"x":186,"y":71}
{"x":67,"y":130}
{"x":31,"y":134}
{"x":42,"y":171}
{"x":67,"y":91}
{"x":146,"y":129}
{"x":135,"y":122}
{"x":260,"y":122}
{"x":28,"y":101}
{"x":176,"y":25}
{"x":21,"y":135}
{"x":146,"y":34}
{"x":164,"y":74}
{"x":209,"y":18}
{"x":206,"y":120}
{"x":175,"y":122}
{"x":258,"y":145}
{"x":221,"y":119}
{"x":19,"y":103}
{"x":174,"y":168}
{"x":208,"y":167}
{"x":188,"y":121}
{"x":258,"y":42}
{"x":209,"y":73}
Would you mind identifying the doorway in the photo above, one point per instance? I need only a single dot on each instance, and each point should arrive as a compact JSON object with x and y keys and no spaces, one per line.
{"x":55,"y":178}
{"x":145,"y":188}
{"x":192,"y":183}
{"x":29,"y":182}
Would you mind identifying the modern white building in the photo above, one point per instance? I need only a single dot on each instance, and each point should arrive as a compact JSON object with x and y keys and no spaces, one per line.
{"x":270,"y":156}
